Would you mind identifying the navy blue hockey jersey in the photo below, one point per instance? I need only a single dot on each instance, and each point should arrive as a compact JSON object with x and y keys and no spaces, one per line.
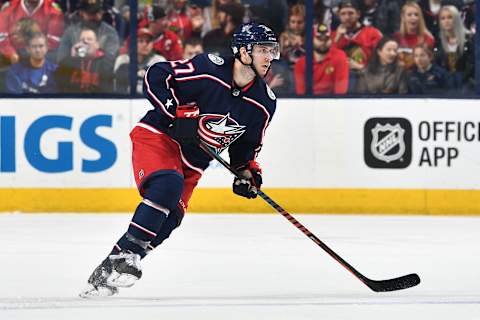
{"x":229,"y":117}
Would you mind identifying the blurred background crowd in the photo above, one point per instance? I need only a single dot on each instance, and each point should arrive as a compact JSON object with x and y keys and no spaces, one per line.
{"x":423,"y":47}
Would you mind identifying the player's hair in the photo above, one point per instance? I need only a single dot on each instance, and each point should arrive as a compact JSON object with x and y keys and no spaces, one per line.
{"x":422,"y":27}
{"x":459,"y":31}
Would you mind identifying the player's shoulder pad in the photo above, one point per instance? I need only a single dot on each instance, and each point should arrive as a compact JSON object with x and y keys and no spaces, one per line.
{"x":219,"y":61}
{"x":210,"y":64}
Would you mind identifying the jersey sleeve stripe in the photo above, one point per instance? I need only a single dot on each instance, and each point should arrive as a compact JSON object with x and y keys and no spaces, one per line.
{"x":152,"y":95}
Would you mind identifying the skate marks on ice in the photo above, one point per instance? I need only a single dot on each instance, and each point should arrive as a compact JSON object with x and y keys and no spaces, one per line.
{"x":53,"y":303}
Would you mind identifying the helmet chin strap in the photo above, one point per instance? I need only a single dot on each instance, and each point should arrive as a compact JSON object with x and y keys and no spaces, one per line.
{"x":252,"y":66}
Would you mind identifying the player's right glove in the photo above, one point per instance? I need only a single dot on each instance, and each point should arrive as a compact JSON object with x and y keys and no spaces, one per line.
{"x":185,"y":124}
{"x":250,"y":180}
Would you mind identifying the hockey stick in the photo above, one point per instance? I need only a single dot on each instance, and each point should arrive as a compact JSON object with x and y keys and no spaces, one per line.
{"x":399,"y":283}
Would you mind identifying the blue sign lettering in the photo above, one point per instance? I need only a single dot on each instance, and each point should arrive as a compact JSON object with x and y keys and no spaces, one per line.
{"x":63,"y":160}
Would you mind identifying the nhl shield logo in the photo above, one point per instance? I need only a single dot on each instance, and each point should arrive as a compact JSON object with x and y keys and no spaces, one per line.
{"x":388,"y":143}
{"x":392,"y":139}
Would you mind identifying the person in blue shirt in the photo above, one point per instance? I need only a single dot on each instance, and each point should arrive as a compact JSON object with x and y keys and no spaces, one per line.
{"x":34,"y":74}
{"x":427,"y":77}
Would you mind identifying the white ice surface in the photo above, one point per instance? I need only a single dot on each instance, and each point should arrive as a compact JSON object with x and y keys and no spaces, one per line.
{"x":244,"y":267}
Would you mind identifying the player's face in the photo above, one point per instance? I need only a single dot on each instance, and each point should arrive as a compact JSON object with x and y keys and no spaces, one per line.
{"x":349,"y":17}
{"x":263,"y":56}
{"x":37,"y":48}
{"x":421,"y":58}
{"x":388,"y":53}
{"x":446,"y":20}
{"x":412,"y":18}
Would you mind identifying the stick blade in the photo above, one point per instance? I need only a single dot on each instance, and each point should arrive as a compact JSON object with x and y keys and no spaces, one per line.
{"x":404,"y":282}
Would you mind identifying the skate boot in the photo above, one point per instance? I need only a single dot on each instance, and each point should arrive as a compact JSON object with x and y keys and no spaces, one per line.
{"x":126,"y":269}
{"x":97,"y":283}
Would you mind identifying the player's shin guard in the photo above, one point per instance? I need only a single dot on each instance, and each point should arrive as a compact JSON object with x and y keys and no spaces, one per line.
{"x":143,"y":228}
{"x":161,"y":195}
{"x":173,"y":221}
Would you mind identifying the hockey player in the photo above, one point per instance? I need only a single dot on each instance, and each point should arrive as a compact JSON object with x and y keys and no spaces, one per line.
{"x":222,"y":101}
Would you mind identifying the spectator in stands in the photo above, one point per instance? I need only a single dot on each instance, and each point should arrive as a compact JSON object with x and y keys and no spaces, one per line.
{"x":455,"y":50}
{"x":192,"y":47}
{"x":413,"y":32}
{"x":426,"y":77}
{"x":280,"y":78}
{"x":358,"y":41}
{"x":166,"y":42}
{"x":91,"y":12}
{"x":292,"y":40}
{"x":431,"y":9}
{"x":212,"y":20}
{"x":21,"y":32}
{"x":45,"y":13}
{"x":330,"y":66}
{"x":197,"y":17}
{"x":322,"y":14}
{"x":178,"y":20}
{"x":110,"y":15}
{"x":382,"y":14}
{"x":218,"y":41}
{"x":85,"y":69}
{"x":383,"y":73}
{"x":35,"y":74}
{"x":273,"y":13}
{"x":468,"y":13}
{"x":145,"y":58}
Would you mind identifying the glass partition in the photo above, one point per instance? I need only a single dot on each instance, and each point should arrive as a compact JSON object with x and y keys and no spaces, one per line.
{"x":328,"y":47}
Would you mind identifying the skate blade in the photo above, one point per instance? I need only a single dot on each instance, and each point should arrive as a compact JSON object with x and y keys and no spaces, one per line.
{"x":123,"y":280}
{"x":99,"y":292}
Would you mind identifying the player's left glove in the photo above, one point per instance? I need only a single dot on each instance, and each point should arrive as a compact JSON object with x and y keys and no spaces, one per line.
{"x":251,"y":179}
{"x":185,"y":124}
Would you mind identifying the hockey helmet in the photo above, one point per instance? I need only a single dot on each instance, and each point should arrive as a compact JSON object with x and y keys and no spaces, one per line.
{"x":252,"y":33}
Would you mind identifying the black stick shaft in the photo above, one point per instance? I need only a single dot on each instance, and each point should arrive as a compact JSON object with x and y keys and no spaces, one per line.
{"x":377,"y":286}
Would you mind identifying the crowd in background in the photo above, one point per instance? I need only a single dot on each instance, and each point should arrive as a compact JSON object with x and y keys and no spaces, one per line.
{"x":363,"y":46}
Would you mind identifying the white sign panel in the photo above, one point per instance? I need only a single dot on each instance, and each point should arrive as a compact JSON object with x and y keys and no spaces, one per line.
{"x":375,"y":143}
{"x":64,"y":143}
{"x":311,"y":143}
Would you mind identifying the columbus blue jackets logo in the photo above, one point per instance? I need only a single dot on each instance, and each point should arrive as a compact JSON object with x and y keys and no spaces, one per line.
{"x":219,"y":131}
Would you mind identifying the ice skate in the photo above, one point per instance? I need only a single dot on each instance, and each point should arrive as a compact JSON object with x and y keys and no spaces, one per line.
{"x":97,"y":283}
{"x":126,"y":270}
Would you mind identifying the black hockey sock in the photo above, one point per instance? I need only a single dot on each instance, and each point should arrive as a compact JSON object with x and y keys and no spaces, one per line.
{"x":144,"y":227}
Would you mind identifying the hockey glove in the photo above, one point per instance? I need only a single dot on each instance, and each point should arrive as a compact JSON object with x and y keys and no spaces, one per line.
{"x":185,"y":124}
{"x":251,"y":179}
